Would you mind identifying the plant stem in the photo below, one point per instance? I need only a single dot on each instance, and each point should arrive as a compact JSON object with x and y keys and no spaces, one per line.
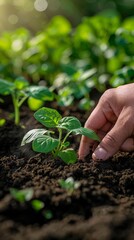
{"x":66,"y":136}
{"x":55,"y":153}
{"x":22,"y":100}
{"x":16,"y":109}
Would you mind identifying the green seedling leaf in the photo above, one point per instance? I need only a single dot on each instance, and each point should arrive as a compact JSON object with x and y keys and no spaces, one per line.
{"x":20,"y":91}
{"x":32,"y":135}
{"x":21,"y":83}
{"x":40,"y":92}
{"x":86,"y":104}
{"x":22,"y":195}
{"x":87,"y":74}
{"x":69,"y":184}
{"x":48,"y":117}
{"x":86,"y":132}
{"x":69,"y":156}
{"x":6,"y":87}
{"x":69,"y":123}
{"x":37,"y":204}
{"x":48,"y":214}
{"x":65,"y":144}
{"x":45,"y":144}
{"x":34,"y":104}
{"x":2,"y":122}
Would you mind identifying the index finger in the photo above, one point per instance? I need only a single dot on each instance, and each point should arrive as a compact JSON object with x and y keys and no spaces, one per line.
{"x":96,"y":121}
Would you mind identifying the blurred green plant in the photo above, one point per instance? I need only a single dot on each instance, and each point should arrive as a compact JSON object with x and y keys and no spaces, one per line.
{"x":69,"y":184}
{"x":71,"y":61}
{"x":20,"y":90}
{"x":2,"y":122}
{"x":26,"y":195}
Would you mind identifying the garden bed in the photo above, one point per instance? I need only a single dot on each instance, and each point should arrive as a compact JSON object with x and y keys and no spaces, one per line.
{"x":101,"y":208}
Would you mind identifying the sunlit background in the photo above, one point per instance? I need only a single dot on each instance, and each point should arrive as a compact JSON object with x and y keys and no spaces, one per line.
{"x":33,"y":14}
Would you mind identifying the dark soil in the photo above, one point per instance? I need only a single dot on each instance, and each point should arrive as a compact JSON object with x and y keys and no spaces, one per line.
{"x":102,"y":208}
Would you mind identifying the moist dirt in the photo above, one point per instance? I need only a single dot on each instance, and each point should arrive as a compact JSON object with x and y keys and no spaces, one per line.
{"x":102,"y":208}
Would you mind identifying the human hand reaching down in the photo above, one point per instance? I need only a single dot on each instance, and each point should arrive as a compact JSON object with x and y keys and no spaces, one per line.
{"x":113,"y":121}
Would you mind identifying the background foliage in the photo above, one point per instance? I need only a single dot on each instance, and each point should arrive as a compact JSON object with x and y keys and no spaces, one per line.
{"x":97,"y":53}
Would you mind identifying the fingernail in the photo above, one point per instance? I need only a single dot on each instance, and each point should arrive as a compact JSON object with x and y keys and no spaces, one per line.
{"x":99,"y":154}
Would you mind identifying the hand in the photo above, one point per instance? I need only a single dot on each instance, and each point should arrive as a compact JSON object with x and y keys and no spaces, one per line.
{"x":113,"y":121}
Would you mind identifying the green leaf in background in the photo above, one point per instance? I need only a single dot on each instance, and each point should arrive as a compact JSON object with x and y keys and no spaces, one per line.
{"x":37,"y":204}
{"x":6,"y":87}
{"x":48,"y":214}
{"x":128,"y":23}
{"x":64,"y":96}
{"x":21,"y":83}
{"x":34,"y":104}
{"x":45,"y":144}
{"x":69,"y":123}
{"x":69,"y":184}
{"x":87,"y":74}
{"x":69,"y":156}
{"x":2,"y":122}
{"x":86,"y":132}
{"x":58,"y":26}
{"x":22,"y":195}
{"x":32,"y":135}
{"x":40,"y":92}
{"x":122,"y":76}
{"x":86,"y":104}
{"x":48,"y":117}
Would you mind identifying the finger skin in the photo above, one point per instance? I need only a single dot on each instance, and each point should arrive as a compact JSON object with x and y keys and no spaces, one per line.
{"x":115,"y":138}
{"x":112,"y":120}
{"x":97,"y":120}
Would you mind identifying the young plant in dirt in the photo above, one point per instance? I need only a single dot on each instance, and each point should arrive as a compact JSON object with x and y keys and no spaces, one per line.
{"x":2,"y":122}
{"x":69,"y":184}
{"x":22,"y":195}
{"x":26,"y":195}
{"x":20,"y":90}
{"x":43,"y":141}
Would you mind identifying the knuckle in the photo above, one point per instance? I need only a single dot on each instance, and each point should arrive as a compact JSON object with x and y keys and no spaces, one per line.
{"x":110,"y":141}
{"x":107,"y":95}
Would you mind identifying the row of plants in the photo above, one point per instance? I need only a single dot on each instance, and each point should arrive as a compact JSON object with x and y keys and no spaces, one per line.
{"x":71,"y":62}
{"x":27,"y":196}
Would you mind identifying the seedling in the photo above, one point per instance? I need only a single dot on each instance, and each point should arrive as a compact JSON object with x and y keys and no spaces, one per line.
{"x":20,"y":91}
{"x":22,"y":195}
{"x":2,"y":122}
{"x":42,"y":140}
{"x":37,"y":205}
{"x":26,"y":195}
{"x":70,"y":185}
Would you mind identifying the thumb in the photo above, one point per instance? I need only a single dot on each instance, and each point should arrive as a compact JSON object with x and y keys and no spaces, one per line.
{"x":114,"y":139}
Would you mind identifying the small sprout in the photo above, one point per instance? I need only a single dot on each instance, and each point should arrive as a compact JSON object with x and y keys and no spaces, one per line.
{"x":22,"y":195}
{"x":34,"y":104}
{"x":2,"y":122}
{"x":70,"y":185}
{"x":43,"y":141}
{"x":25,"y":195}
{"x":21,"y":91}
{"x":48,"y":214}
{"x":37,"y":204}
